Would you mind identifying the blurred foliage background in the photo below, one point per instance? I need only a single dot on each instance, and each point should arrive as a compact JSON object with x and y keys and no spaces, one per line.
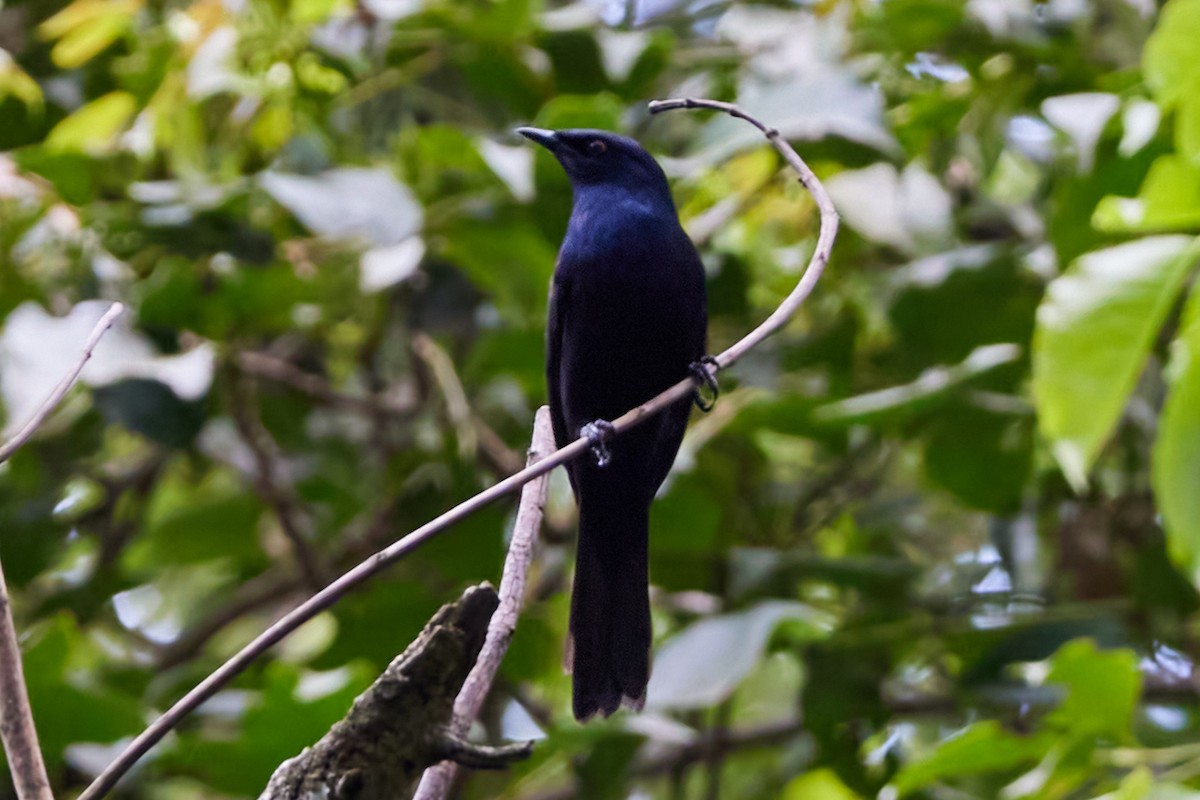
{"x":940,"y":539}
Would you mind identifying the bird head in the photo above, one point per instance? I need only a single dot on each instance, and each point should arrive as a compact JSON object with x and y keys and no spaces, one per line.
{"x":601,"y":158}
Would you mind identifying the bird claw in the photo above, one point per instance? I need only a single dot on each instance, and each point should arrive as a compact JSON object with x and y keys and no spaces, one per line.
{"x":598,"y":433}
{"x":704,"y":371}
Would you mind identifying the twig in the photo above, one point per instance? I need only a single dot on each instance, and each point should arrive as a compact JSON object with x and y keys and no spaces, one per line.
{"x":458,"y":410}
{"x":16,"y":718}
{"x":460,"y":752}
{"x":17,"y":730}
{"x":475,"y":437}
{"x":539,"y":712}
{"x":494,"y":453}
{"x":313,"y":606}
{"x":820,"y":256}
{"x":397,"y":727}
{"x":396,"y":551}
{"x":277,"y":370}
{"x":717,"y":743}
{"x":704,"y":747}
{"x":64,"y":386}
{"x":720,"y":744}
{"x":244,"y":409}
{"x":716,"y":755}
{"x":436,"y":782}
{"x":276,"y":584}
{"x":269,"y":587}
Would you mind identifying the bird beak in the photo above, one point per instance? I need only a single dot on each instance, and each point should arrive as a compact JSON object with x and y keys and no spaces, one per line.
{"x":547,"y":139}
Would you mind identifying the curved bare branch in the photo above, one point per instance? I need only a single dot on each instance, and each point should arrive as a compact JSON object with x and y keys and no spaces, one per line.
{"x":399,"y":549}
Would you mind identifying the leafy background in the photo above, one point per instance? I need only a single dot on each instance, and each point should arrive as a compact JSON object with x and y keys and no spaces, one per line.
{"x":940,"y":538}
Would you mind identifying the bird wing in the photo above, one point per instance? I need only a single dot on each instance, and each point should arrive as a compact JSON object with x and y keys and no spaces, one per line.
{"x":555,"y":329}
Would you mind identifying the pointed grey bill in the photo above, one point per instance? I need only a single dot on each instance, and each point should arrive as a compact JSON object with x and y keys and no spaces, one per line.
{"x":547,"y":139}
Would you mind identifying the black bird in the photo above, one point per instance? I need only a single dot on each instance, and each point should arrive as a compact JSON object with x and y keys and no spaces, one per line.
{"x":628,"y":315}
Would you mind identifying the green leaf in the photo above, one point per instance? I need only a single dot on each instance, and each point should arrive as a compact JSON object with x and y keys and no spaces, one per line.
{"x":93,"y":127}
{"x":983,"y":747}
{"x":1187,"y":129}
{"x":368,"y":204}
{"x":16,"y":82}
{"x":703,"y":664}
{"x":581,"y":111}
{"x":308,"y":11}
{"x":85,"y":28}
{"x":72,"y":174}
{"x":1172,"y":791}
{"x":575,"y":55}
{"x":1134,"y":786}
{"x":1102,"y":690}
{"x":821,"y":784}
{"x":932,"y":388}
{"x":1176,"y":458}
{"x":512,"y":263}
{"x":1094,"y":331}
{"x":192,"y":518}
{"x":1169,"y":61}
{"x":948,"y":286}
{"x":293,"y":711}
{"x":150,"y":408}
{"x":686,"y":518}
{"x":1169,"y":199}
{"x":82,"y":44}
{"x":66,"y":710}
{"x":982,"y":457}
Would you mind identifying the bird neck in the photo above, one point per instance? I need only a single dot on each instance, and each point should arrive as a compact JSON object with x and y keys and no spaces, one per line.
{"x":608,"y":200}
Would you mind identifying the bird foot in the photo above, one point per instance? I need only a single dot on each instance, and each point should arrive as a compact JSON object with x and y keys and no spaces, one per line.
{"x":704,"y":371}
{"x":598,"y":433}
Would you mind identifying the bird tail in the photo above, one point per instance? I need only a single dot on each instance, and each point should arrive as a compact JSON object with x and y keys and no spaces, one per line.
{"x":608,"y":651}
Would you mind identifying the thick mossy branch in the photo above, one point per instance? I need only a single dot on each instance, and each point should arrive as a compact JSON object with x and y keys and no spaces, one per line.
{"x":398,"y":726}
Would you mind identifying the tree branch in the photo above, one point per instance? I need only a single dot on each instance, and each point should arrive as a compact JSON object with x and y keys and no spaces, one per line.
{"x":357,"y":541}
{"x":397,"y":727}
{"x":16,"y":718}
{"x":268,"y":587}
{"x":460,"y":752}
{"x":278,"y":496}
{"x":458,"y":410}
{"x":64,"y":386}
{"x":475,"y":437}
{"x":705,"y":747}
{"x":274,"y":369}
{"x":17,"y":730}
{"x":398,"y":550}
{"x":436,"y":782}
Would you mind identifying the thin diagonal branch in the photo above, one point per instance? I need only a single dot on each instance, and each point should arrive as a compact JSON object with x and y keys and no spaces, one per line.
{"x":398,"y":550}
{"x":437,"y":780}
{"x":397,"y":727}
{"x":64,"y":386}
{"x":704,"y":747}
{"x":820,"y":256}
{"x":263,"y":365}
{"x":458,"y":410}
{"x":17,"y":730}
{"x":358,"y":540}
{"x":475,"y":437}
{"x":269,"y":587}
{"x":16,"y":718}
{"x":273,"y":490}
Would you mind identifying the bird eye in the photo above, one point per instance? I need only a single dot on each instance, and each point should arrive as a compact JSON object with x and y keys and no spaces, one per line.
{"x":596,"y":147}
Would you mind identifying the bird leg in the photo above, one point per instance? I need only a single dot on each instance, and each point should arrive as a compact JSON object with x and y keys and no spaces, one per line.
{"x":598,"y":433}
{"x":705,"y":373}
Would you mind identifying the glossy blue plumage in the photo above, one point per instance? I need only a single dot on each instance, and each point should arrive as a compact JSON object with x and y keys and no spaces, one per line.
{"x":627,"y":317}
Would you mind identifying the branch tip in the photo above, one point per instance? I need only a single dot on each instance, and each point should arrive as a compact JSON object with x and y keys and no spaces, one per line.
{"x":480,"y":756}
{"x":60,"y":391}
{"x":397,"y":550}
